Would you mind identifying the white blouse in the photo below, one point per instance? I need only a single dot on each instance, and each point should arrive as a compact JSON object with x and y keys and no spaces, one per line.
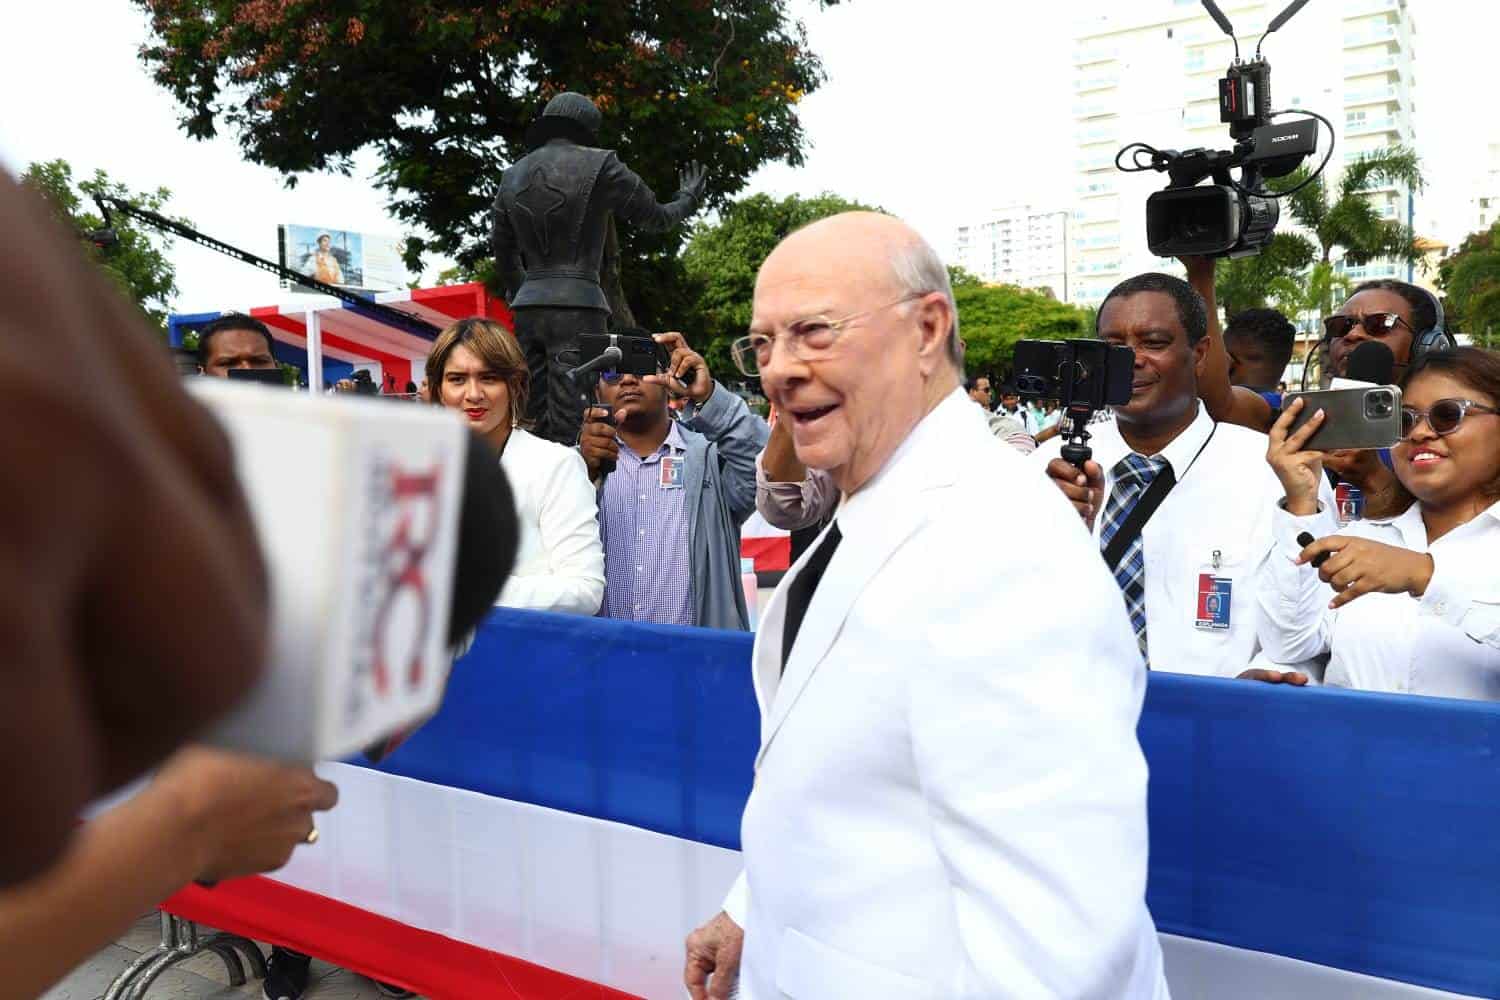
{"x":1445,"y":643}
{"x":560,"y":562}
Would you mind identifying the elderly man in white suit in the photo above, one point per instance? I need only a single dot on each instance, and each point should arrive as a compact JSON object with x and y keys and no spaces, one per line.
{"x":949,"y":799}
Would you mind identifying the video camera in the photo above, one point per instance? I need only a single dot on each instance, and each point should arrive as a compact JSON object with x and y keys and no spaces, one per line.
{"x":1229,"y":217}
{"x":1084,"y":376}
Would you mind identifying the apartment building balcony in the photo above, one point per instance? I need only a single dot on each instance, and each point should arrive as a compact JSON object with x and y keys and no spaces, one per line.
{"x":1397,"y":95}
{"x":1097,"y":189}
{"x":1089,"y":55}
{"x":1090,"y":84}
{"x":1380,"y":34}
{"x":1363,"y":8}
{"x":1371,"y":126}
{"x":1391,"y":64}
{"x":1084,"y":110}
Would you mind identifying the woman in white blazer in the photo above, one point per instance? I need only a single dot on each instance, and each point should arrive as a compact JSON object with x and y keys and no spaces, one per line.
{"x":477,"y":367}
{"x":1406,"y":604}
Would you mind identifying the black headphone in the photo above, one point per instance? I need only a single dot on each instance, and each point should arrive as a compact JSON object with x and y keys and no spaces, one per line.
{"x":1435,"y":337}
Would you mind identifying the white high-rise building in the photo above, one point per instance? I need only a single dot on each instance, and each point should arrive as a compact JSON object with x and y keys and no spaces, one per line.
{"x":1147,"y":70}
{"x":1017,"y":245}
{"x":1486,"y":206}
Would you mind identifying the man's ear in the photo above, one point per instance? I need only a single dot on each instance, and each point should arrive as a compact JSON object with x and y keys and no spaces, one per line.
{"x":1200,"y":355}
{"x":935,"y":320}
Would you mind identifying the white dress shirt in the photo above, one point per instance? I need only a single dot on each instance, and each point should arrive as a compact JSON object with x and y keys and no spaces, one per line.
{"x":1447,"y":642}
{"x":560,"y":563}
{"x":949,"y":800}
{"x":1214,"y":525}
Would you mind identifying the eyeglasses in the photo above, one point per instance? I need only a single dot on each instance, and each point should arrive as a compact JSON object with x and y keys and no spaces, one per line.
{"x":810,"y":339}
{"x":1377,"y":324}
{"x":1444,"y":418}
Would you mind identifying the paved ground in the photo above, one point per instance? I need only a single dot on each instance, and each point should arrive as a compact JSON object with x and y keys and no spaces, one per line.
{"x":202,"y":978}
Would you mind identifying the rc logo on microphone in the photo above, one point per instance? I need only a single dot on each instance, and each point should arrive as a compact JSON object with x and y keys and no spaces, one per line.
{"x":396,"y":605}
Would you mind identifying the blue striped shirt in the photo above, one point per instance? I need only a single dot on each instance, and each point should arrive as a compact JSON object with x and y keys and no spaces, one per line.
{"x":643,"y":522}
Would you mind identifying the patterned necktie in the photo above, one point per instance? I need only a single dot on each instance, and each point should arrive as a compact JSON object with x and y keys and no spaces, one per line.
{"x":1133,"y":474}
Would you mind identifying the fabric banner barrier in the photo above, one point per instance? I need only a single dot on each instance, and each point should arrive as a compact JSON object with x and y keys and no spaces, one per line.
{"x":576,"y":805}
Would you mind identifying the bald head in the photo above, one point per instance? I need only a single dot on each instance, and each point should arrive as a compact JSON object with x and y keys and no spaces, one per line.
{"x":858,"y":316}
{"x":881,"y":248}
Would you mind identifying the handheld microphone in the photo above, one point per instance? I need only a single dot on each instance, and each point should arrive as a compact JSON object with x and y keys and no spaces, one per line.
{"x":1371,"y":362}
{"x":388,"y":531}
{"x":608,"y":358}
{"x":1305,"y":539}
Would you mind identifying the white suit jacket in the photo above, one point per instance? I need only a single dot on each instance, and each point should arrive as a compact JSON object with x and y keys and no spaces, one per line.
{"x":949,"y":800}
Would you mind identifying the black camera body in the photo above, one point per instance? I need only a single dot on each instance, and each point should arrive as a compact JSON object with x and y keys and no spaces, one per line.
{"x":1228,"y":217}
{"x":1084,"y":376}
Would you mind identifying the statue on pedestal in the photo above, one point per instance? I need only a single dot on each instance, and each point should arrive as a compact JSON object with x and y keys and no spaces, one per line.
{"x":550,"y":221}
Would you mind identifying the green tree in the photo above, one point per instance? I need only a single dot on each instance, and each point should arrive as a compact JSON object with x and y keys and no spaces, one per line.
{"x":1274,"y":274}
{"x":138,"y":260}
{"x":722,"y":258}
{"x":1342,"y":218}
{"x":991,"y":318}
{"x":1470,"y":279}
{"x":443,"y":92}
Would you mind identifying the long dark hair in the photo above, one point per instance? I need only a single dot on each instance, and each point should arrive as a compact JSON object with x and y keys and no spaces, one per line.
{"x":1475,"y":368}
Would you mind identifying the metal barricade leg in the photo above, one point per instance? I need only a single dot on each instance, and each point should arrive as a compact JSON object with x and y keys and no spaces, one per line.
{"x":181,"y":941}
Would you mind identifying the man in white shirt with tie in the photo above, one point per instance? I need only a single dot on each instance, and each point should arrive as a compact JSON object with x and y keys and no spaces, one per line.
{"x":1189,"y":579}
{"x":949,"y":798}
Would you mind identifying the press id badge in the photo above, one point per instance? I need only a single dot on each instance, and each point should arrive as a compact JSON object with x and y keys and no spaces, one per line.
{"x":1214,"y":596}
{"x":671,"y":473}
{"x":1350,"y":500}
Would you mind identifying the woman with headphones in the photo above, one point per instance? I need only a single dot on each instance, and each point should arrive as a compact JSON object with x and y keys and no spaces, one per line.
{"x":1408,"y":603}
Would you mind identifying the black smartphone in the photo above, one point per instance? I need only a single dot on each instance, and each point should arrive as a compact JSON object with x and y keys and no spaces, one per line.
{"x":265,"y":376}
{"x":639,"y":355}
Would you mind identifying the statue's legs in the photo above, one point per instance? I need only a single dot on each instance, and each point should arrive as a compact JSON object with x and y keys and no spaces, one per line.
{"x":549,"y":337}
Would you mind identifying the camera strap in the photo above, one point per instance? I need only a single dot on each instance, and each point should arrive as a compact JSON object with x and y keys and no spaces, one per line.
{"x":1135,"y":521}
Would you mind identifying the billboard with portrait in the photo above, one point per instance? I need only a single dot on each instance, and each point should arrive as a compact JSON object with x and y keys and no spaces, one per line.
{"x":353,"y":260}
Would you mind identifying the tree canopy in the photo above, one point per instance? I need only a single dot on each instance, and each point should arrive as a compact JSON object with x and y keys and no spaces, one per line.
{"x":443,"y":91}
{"x":1342,"y":218}
{"x":138,"y":260}
{"x":1470,"y":277}
{"x":991,"y":318}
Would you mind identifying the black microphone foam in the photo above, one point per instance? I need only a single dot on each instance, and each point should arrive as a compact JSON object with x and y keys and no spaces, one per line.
{"x":1305,"y":539}
{"x":1371,"y":362}
{"x":488,"y":537}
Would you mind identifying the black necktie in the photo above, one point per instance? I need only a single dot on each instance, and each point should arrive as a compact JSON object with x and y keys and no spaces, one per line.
{"x":799,"y":594}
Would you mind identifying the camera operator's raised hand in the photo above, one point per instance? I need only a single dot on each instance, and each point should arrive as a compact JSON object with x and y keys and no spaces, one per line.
{"x":686,"y":369}
{"x":1354,"y":567}
{"x":1084,"y":488}
{"x":1224,"y":401}
{"x":597,"y":441}
{"x":1300,"y":470}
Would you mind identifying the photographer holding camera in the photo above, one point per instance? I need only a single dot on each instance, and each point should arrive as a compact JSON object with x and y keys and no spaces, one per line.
{"x":1429,"y":620}
{"x":1189,"y":574}
{"x":673,"y":493}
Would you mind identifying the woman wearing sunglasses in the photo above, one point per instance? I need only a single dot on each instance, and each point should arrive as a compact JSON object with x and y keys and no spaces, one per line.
{"x":1409,"y":603}
{"x":477,"y":368}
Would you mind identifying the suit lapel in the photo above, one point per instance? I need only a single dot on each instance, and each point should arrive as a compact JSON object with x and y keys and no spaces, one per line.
{"x":875,"y":522}
{"x":858,"y":559}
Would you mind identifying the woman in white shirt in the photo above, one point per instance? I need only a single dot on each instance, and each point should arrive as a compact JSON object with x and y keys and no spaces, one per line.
{"x":1411,"y":603}
{"x":477,"y":367}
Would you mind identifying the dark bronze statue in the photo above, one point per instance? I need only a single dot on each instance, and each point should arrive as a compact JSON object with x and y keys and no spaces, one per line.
{"x":550,"y":221}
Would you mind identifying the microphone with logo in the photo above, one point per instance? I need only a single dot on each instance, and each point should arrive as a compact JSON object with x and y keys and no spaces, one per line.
{"x":388,"y":532}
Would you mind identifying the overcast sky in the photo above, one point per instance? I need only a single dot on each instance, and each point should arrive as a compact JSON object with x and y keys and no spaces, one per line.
{"x":935,"y":110}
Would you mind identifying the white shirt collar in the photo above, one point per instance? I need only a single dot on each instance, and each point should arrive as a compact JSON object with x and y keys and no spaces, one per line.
{"x":1180,"y":451}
